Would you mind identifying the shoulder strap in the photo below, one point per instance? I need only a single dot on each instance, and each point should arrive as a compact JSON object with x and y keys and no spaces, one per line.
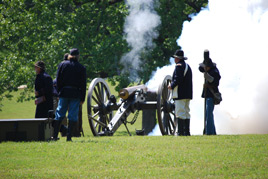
{"x":186,"y":69}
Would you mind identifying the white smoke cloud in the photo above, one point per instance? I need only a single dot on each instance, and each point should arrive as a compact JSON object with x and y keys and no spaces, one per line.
{"x":159,"y":75}
{"x":156,"y":131}
{"x":140,"y":30}
{"x":235,"y":32}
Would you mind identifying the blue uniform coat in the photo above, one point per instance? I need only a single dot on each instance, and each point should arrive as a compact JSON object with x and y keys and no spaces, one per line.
{"x":214,"y":72}
{"x":184,"y":83}
{"x":71,"y":80}
{"x":44,"y":87}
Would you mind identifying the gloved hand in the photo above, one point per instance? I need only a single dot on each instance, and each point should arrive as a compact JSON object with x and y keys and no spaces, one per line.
{"x":208,"y":77}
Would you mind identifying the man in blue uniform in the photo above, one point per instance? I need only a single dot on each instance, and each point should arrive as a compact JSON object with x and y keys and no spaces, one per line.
{"x":181,"y":84}
{"x":43,"y":91}
{"x":212,"y":79}
{"x":71,"y":86}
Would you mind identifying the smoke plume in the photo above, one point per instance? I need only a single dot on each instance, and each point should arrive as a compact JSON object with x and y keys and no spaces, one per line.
{"x":140,"y":30}
{"x":235,"y":33}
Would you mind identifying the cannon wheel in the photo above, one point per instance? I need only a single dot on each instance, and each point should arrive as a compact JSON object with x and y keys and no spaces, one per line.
{"x":165,"y":113}
{"x":98,"y":95}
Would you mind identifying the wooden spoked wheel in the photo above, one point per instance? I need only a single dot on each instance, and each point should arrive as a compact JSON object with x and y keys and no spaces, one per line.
{"x":98,"y":115}
{"x":165,"y":108}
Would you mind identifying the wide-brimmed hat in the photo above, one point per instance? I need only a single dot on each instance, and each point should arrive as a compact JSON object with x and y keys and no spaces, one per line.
{"x":74,"y":52}
{"x":40,"y":64}
{"x":207,"y":60}
{"x":179,"y":54}
{"x":208,"y":63}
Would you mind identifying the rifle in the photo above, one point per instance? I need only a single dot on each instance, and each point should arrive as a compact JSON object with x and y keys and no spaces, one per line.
{"x":206,"y":57}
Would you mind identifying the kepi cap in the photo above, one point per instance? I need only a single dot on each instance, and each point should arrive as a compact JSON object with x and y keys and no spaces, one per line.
{"x":74,"y":51}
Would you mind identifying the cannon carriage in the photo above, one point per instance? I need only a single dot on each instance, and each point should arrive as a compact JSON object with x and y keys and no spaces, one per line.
{"x":101,"y":105}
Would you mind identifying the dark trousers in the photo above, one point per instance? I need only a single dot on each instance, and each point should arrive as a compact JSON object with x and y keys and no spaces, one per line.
{"x":210,"y":126}
{"x":42,"y":110}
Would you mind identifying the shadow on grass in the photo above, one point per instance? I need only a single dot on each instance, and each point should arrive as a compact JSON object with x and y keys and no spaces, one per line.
{"x":94,"y":139}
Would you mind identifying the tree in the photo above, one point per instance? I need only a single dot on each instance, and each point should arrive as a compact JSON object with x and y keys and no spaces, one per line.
{"x":33,"y":30}
{"x":173,"y":14}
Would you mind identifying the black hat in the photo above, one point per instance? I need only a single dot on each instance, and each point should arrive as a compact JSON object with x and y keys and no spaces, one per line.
{"x":40,"y":64}
{"x":65,"y":57}
{"x":74,"y":52}
{"x":208,"y":62}
{"x":179,"y":54}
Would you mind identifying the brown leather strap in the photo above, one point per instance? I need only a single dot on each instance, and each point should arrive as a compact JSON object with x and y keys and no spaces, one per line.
{"x":208,"y":86}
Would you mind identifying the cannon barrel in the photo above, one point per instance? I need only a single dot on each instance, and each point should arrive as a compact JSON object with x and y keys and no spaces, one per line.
{"x":125,"y":93}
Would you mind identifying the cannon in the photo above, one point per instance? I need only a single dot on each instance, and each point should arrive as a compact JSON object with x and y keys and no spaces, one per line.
{"x":101,"y":105}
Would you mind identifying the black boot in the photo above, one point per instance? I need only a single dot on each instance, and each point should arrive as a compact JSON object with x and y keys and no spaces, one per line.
{"x":56,"y":127}
{"x":180,"y":126}
{"x":71,"y":127}
{"x":76,"y":132}
{"x":63,"y":130}
{"x":187,"y":127}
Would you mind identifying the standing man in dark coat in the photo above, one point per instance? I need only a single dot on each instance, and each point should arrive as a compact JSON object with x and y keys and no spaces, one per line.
{"x":63,"y":128}
{"x":71,"y":86}
{"x":43,"y":91}
{"x":212,"y":79}
{"x":181,"y":84}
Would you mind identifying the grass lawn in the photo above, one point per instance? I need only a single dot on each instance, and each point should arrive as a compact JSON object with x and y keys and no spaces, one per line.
{"x":239,"y":156}
{"x":122,"y":156}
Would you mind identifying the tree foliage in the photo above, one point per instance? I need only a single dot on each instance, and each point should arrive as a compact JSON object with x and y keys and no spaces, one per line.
{"x":33,"y":30}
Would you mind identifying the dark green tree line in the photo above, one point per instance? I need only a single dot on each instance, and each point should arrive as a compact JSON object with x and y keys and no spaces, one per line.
{"x":33,"y":30}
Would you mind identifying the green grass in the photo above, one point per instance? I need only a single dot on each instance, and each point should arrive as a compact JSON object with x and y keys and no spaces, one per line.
{"x":122,"y":156}
{"x":237,"y":156}
{"x":17,"y":110}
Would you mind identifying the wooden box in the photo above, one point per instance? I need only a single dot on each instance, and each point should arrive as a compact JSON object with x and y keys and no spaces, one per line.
{"x":39,"y":129}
